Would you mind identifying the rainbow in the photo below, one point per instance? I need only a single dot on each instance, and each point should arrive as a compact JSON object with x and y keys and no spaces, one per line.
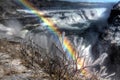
{"x":66,"y":43}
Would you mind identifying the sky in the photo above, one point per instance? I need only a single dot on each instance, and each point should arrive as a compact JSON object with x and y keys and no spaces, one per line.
{"x":92,"y":0}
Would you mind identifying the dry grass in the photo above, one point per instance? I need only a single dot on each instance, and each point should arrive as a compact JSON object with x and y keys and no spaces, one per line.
{"x":46,"y":66}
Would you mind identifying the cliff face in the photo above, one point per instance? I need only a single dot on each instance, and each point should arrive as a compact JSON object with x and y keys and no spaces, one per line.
{"x":113,"y":37}
{"x":114,"y":25}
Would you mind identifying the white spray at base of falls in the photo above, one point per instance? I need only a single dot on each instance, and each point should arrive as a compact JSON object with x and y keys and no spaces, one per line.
{"x":12,"y":29}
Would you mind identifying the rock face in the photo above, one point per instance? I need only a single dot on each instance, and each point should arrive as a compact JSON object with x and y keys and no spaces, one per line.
{"x":114,"y":25}
{"x":113,"y":37}
{"x":117,"y":6}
